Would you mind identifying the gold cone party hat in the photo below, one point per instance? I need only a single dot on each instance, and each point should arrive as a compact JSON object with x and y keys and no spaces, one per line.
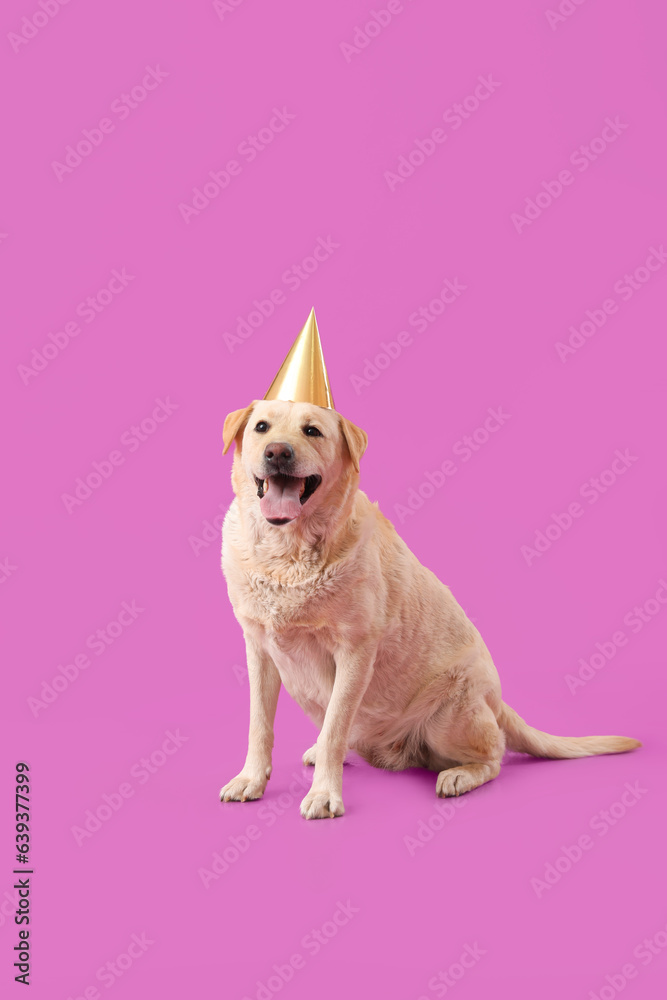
{"x":303,"y":375}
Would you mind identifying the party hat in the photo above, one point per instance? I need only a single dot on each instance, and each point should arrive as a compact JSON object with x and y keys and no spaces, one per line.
{"x":303,"y":375}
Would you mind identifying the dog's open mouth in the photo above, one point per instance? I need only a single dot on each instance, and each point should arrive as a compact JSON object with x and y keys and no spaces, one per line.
{"x":282,"y":497}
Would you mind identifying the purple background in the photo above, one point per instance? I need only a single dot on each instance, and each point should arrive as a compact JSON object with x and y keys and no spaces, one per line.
{"x":178,"y":664}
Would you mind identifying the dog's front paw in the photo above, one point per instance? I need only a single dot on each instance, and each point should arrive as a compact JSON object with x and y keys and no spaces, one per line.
{"x":243,"y":788}
{"x":322,"y":805}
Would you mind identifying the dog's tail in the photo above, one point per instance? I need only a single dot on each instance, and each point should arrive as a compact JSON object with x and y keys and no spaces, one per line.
{"x":525,"y":739}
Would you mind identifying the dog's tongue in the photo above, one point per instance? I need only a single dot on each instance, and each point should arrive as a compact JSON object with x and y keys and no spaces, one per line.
{"x":282,"y":498}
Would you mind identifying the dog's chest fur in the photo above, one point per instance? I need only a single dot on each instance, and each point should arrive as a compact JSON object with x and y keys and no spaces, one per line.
{"x":306,"y":667}
{"x":298,"y":609}
{"x":296,"y":631}
{"x":279,"y":606}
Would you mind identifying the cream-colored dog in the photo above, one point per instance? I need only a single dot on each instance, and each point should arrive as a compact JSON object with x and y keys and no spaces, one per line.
{"x":367,"y":640}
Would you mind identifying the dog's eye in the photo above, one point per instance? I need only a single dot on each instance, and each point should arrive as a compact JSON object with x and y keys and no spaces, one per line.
{"x":312,"y":432}
{"x":262,"y":427}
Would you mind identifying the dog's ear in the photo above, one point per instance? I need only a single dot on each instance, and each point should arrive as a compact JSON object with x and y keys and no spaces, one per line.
{"x":235,"y":425}
{"x":355,"y":439}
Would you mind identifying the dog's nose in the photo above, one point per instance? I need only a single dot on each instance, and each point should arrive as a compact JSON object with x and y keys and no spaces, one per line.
{"x":278,"y":451}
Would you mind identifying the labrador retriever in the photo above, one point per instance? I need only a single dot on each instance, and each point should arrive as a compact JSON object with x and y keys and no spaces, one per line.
{"x":335,"y":606}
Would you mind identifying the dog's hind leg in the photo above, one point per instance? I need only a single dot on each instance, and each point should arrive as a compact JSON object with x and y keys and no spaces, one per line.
{"x":470,"y":747}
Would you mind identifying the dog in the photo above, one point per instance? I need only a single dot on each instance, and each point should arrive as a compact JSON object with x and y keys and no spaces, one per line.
{"x":335,"y":606}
